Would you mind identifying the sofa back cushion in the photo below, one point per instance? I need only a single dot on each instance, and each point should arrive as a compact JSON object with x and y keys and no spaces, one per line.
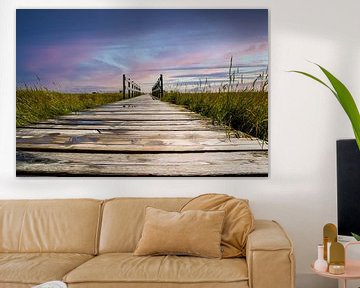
{"x":123,"y":220}
{"x":66,"y":226}
{"x":238,"y":224}
{"x":193,"y":232}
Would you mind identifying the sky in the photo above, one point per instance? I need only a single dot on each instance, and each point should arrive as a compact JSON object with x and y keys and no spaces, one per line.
{"x":88,"y":50}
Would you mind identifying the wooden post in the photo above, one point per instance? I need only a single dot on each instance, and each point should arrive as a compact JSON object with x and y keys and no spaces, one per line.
{"x":161,"y":86}
{"x":124,"y":87}
{"x":128,"y":89}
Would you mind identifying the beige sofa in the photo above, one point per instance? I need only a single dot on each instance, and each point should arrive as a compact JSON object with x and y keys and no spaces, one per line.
{"x":89,"y":243}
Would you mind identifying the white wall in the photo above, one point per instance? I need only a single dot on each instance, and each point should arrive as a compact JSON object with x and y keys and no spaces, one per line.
{"x":305,"y":121}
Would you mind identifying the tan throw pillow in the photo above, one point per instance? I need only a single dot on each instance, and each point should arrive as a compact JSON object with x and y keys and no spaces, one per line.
{"x":196,"y":233}
{"x":239,"y":220}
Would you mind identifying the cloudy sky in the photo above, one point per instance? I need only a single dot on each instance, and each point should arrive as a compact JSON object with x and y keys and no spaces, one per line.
{"x":89,"y":50}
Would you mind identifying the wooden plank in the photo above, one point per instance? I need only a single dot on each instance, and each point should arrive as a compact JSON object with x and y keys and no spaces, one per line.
{"x":124,"y":122}
{"x":123,"y":138}
{"x":187,"y":127}
{"x":152,"y":117}
{"x":140,"y":113}
{"x":144,"y":104}
{"x":139,"y":109}
{"x":127,"y":134}
{"x":129,"y":104}
{"x":141,"y":100}
{"x":135,"y":145}
{"x":148,"y":107}
{"x":164,"y":164}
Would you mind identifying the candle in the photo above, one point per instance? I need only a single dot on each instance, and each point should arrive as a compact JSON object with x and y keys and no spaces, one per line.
{"x":336,"y":269}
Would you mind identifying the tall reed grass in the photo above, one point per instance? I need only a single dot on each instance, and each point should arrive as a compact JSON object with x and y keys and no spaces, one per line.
{"x":33,"y":105}
{"x":235,"y":104}
{"x":245,"y":111}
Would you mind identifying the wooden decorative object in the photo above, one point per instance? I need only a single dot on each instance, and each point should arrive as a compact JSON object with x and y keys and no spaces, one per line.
{"x":337,"y":253}
{"x":330,"y":236}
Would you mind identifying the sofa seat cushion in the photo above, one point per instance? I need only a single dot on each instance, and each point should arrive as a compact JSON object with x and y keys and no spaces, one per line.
{"x":36,"y":268}
{"x":127,"y":268}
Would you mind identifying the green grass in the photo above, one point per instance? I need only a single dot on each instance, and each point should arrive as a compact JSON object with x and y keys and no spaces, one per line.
{"x":33,"y":105}
{"x":245,"y":111}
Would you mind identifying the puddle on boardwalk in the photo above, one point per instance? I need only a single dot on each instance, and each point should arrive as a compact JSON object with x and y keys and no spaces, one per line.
{"x":89,"y":122}
{"x":80,"y":139}
{"x":22,"y":156}
{"x":38,"y":140}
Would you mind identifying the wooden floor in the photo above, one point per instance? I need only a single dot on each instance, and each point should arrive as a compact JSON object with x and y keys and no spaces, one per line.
{"x":136,"y":137}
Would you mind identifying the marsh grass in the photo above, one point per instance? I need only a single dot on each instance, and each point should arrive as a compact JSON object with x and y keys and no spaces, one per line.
{"x":239,"y":107}
{"x":33,"y":105}
{"x":245,"y":111}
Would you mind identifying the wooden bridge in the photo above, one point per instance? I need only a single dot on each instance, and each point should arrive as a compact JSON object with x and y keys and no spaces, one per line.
{"x":140,"y":136}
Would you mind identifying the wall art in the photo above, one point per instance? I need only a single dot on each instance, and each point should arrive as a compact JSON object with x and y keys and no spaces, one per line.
{"x":142,"y":92}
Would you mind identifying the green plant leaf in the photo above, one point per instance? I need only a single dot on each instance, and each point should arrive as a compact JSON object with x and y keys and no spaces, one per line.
{"x":346,"y":100}
{"x":316,"y":79}
{"x":344,"y":97}
{"x":357,"y":137}
{"x":356,"y":236}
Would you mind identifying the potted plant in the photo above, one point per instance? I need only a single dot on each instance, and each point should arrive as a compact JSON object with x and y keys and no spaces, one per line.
{"x":357,"y":237}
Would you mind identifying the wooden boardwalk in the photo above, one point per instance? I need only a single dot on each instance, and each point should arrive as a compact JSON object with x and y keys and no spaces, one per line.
{"x":140,"y":136}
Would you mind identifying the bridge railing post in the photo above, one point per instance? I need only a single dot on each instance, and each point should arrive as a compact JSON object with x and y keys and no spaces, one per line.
{"x":130,"y":88}
{"x":158,"y":88}
{"x":124,"y":86}
{"x":161,"y":87}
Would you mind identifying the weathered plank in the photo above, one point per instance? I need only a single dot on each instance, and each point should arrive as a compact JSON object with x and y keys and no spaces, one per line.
{"x":133,"y":140}
{"x":25,"y":133}
{"x":164,"y":164}
{"x":187,"y":127}
{"x":150,"y":117}
{"x":135,"y":109}
{"x":125,"y":122}
{"x":135,"y":145}
{"x":149,"y":108}
{"x":140,"y":113}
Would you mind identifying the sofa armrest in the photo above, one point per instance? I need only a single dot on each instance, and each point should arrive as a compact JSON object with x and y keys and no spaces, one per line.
{"x":269,"y":256}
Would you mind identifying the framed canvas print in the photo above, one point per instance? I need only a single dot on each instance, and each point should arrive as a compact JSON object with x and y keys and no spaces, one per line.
{"x":142,"y":92}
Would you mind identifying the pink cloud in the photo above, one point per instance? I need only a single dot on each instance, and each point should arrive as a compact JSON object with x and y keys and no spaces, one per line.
{"x":255,"y":48}
{"x":59,"y":57}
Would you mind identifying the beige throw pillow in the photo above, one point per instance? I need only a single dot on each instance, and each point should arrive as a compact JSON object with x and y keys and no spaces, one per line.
{"x":239,"y":220}
{"x":196,"y":233}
